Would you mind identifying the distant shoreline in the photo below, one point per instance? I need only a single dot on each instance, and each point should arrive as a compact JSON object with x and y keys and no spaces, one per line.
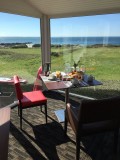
{"x":82,"y":41}
{"x":30,"y":45}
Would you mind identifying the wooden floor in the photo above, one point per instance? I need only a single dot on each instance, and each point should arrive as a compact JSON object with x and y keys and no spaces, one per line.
{"x":40,"y":141}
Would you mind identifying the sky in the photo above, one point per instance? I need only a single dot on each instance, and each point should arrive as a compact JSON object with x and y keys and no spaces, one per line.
{"x":21,"y":26}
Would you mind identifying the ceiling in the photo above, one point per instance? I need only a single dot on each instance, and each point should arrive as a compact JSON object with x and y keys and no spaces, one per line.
{"x":59,"y":8}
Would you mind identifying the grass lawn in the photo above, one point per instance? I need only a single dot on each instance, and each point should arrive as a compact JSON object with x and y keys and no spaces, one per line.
{"x":22,"y":62}
{"x":102,"y":62}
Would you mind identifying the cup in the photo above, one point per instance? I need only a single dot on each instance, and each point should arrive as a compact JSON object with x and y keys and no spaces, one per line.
{"x":53,"y":76}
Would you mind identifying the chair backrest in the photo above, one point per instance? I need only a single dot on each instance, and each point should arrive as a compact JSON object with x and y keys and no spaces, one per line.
{"x":100,"y":110}
{"x":39,"y":72}
{"x":38,"y":83}
{"x":18,"y":88}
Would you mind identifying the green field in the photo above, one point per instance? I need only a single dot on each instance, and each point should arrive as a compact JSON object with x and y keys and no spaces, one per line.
{"x":22,"y":62}
{"x":102,"y":62}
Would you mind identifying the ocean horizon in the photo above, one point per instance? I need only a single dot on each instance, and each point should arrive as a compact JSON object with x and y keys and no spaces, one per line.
{"x":64,"y":40}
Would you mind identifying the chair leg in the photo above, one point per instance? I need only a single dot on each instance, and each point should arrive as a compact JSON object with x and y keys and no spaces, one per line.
{"x":77,"y":147}
{"x":65,"y":126}
{"x":116,"y":132}
{"x":46,"y":113}
{"x":20,"y":118}
{"x":18,"y":111}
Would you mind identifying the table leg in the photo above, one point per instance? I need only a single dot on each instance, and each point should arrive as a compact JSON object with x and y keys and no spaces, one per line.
{"x":66,"y":95}
{"x":60,"y":113}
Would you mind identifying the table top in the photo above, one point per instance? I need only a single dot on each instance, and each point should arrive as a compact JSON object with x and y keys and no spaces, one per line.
{"x":54,"y":85}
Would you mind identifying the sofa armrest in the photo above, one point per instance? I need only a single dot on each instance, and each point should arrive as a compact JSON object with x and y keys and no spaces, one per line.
{"x":71,"y":114}
{"x":4,"y":132}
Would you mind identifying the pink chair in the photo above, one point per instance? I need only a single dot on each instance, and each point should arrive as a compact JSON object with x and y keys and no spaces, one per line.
{"x":29,"y":99}
{"x":38,"y":82}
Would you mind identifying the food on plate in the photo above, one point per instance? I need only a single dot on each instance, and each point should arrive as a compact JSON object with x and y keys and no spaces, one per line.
{"x":74,"y":74}
{"x":80,"y":74}
{"x":58,"y":74}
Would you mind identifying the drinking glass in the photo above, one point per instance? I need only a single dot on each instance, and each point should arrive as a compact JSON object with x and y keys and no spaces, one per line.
{"x":82,"y":68}
{"x":77,"y":69}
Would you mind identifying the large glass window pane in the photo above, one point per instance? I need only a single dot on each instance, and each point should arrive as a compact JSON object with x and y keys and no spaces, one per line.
{"x":20,"y":52}
{"x":92,"y":43}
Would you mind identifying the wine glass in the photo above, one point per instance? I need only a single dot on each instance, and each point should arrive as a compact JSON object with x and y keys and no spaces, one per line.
{"x":67,"y":69}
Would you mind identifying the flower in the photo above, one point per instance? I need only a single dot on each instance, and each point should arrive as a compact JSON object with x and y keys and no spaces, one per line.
{"x":76,"y":64}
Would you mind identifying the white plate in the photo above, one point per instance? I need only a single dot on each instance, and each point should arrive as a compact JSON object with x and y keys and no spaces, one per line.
{"x":50,"y":78}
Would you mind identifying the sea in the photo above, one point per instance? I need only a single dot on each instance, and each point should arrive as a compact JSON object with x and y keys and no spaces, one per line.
{"x":85,"y":41}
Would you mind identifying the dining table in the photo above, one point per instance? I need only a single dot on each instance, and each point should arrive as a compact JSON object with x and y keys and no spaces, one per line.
{"x":7,"y":97}
{"x":57,"y":84}
{"x":9,"y":80}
